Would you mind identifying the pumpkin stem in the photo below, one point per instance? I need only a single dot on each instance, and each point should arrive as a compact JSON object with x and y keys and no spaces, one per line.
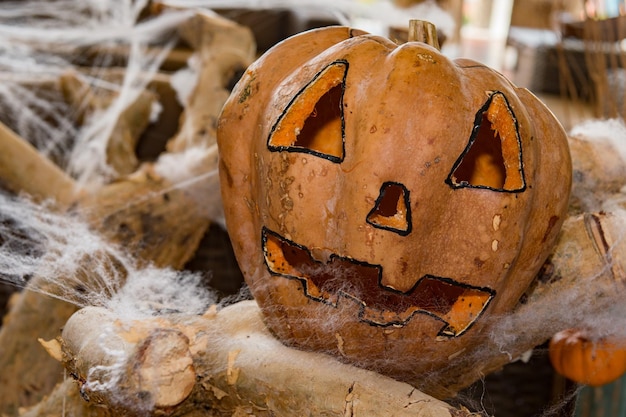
{"x":423,"y":31}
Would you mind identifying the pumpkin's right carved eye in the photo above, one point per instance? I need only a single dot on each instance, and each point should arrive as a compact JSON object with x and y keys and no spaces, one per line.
{"x":313,"y":121}
{"x":493,"y":157}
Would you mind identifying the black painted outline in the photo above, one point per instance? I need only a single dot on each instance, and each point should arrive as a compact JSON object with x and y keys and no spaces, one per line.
{"x":477,"y":125}
{"x":445,"y":330}
{"x":331,"y":158}
{"x":407,"y":203}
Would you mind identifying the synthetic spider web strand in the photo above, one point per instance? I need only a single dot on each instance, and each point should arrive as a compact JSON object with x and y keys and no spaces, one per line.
{"x":51,"y":41}
{"x":76,"y":265}
{"x":37,"y":113}
{"x":88,"y":159}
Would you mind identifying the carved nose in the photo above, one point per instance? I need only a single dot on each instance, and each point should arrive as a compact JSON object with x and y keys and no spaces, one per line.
{"x":392,"y":209}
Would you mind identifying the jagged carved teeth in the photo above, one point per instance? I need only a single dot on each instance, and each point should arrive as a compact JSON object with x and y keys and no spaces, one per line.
{"x":456,"y":304}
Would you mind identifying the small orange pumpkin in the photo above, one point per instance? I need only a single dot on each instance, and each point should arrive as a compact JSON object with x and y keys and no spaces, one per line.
{"x":585,"y":361}
{"x":382,"y":199}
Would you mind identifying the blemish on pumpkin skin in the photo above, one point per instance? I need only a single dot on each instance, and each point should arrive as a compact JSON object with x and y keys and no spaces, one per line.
{"x":373,"y":129}
{"x":286,"y":203}
{"x":369,"y":234}
{"x":427,"y":58}
{"x":478,"y":262}
{"x":497,"y":220}
{"x":494,"y":245}
{"x":247,"y":90}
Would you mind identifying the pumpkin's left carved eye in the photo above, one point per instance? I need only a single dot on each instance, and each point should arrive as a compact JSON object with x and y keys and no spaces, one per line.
{"x":313,"y":121}
{"x":493,"y":156}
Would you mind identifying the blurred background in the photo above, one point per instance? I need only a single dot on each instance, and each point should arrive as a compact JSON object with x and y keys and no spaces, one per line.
{"x":559,"y":49}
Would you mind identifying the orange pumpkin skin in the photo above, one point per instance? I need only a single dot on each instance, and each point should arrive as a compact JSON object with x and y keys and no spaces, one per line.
{"x":387,"y":241}
{"x":585,"y":361}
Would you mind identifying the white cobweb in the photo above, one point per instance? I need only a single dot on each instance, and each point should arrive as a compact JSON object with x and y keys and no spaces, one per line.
{"x":57,"y":253}
{"x":41,"y":40}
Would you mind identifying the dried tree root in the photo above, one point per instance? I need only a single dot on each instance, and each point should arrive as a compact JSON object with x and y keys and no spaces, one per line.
{"x":237,"y":364}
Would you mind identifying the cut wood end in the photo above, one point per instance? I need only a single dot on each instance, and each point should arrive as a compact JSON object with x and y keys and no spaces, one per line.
{"x":164,"y":367}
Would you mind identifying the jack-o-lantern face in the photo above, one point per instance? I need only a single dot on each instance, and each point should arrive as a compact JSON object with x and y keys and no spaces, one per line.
{"x":383,"y":200}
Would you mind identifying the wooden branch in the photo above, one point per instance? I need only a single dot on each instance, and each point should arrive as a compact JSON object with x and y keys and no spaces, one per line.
{"x":24,"y":170}
{"x":127,"y":128}
{"x":223,"y":48}
{"x":158,"y":221}
{"x":237,"y":363}
{"x":26,"y":372}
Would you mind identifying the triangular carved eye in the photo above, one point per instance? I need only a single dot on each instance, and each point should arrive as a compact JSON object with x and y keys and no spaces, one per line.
{"x":392,"y":210}
{"x":493,"y":157}
{"x":313,"y":121}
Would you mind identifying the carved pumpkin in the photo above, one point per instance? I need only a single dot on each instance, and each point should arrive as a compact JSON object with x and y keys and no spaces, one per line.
{"x":382,"y":200}
{"x":582,"y":360}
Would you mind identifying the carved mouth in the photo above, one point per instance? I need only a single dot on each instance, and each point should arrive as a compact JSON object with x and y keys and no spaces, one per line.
{"x":456,"y":304}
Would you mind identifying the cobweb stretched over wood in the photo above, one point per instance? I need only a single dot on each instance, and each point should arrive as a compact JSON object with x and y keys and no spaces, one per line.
{"x":41,"y":40}
{"x":64,"y":258}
